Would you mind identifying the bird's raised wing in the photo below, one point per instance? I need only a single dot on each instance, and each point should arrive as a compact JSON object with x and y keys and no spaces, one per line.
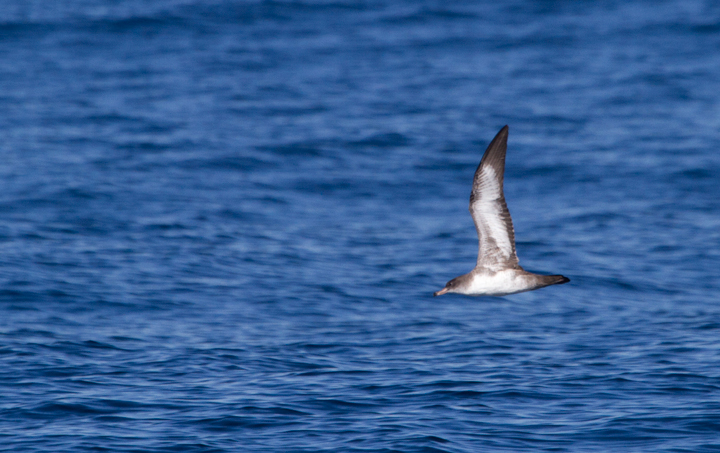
{"x":489,"y":211}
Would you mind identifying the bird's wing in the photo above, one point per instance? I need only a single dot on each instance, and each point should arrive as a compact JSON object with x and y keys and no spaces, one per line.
{"x":489,"y":211}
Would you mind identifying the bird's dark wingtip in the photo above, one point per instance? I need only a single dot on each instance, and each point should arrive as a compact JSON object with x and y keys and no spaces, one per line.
{"x":502,"y":133}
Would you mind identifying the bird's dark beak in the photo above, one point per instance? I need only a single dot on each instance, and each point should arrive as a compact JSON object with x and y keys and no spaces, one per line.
{"x":441,"y":292}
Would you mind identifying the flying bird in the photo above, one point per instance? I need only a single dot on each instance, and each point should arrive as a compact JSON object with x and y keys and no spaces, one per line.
{"x":497,"y":272}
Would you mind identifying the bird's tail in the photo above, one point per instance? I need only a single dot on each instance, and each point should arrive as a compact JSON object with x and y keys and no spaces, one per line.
{"x":554,"y":279}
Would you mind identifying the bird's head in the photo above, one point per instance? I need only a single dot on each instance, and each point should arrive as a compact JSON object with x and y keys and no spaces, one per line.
{"x":450,"y":287}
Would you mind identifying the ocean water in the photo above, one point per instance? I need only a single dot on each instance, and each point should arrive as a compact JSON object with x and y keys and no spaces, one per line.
{"x":222,"y":222}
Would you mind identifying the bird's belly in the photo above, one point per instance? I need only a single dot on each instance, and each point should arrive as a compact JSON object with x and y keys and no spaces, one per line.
{"x":498,"y":284}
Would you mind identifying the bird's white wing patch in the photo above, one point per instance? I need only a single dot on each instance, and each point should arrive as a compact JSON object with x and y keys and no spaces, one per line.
{"x":493,"y":223}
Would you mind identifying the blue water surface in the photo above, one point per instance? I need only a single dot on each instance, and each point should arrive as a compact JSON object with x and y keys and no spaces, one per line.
{"x":222,"y":222}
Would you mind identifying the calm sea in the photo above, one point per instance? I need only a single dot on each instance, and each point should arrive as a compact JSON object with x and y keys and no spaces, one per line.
{"x":222,"y":222}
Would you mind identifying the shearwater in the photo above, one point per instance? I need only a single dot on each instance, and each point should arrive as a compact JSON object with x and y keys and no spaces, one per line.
{"x":497,"y":272}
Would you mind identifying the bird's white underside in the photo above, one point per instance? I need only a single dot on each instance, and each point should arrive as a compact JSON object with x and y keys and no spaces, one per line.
{"x":502,"y":283}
